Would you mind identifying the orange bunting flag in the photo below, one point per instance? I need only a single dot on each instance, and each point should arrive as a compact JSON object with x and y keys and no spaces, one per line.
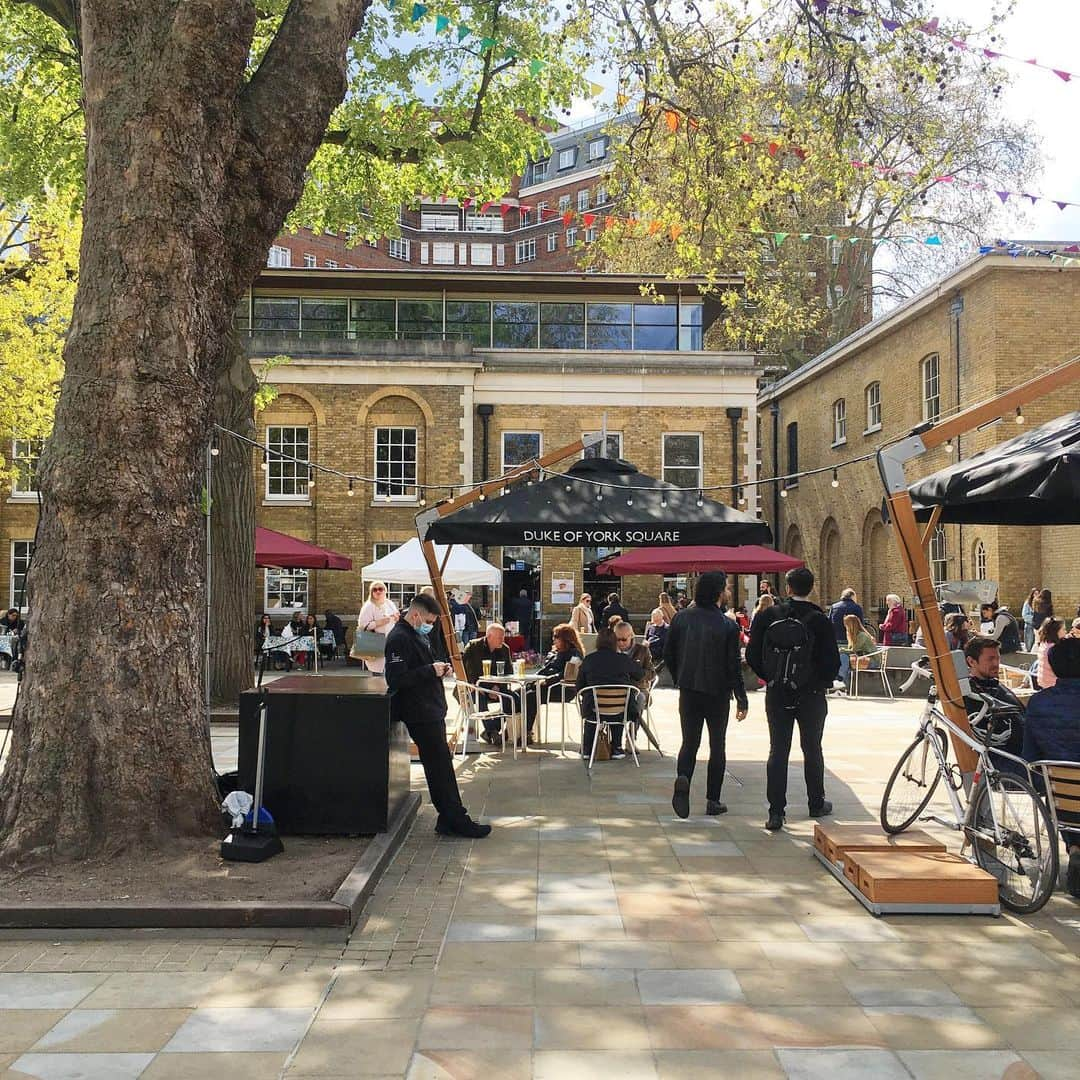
{"x":799,"y":152}
{"x":568,"y":217}
{"x":773,"y":147}
{"x":485,"y":207}
{"x":672,"y":120}
{"x":692,"y":124}
{"x":676,"y":231}
{"x":746,"y":138}
{"x":655,"y":227}
{"x":588,"y":220}
{"x":609,"y":221}
{"x":621,"y":100}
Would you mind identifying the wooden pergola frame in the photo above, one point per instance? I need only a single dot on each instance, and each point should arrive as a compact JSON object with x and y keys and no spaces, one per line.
{"x":913,"y":540}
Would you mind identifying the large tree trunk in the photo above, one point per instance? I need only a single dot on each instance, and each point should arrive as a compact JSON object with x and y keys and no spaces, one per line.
{"x":232,"y":518}
{"x":191,"y":169}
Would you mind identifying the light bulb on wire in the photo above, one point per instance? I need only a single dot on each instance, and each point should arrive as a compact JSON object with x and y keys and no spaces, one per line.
{"x":783,"y":493}
{"x":835,"y":479}
{"x":949,"y":446}
{"x":700,"y":500}
{"x":265,"y":461}
{"x":214,"y":450}
{"x":1019,"y":415}
{"x":351,"y":492}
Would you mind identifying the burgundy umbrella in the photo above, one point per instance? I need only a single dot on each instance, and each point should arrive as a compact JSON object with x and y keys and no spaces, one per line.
{"x":746,"y":559}
{"x":281,"y":551}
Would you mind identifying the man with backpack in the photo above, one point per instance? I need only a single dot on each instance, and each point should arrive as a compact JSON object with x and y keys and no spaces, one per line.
{"x":793,"y":649}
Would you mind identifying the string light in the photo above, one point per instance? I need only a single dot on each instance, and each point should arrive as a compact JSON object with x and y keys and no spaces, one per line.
{"x":351,"y":492}
{"x":1019,"y":415}
{"x":663,"y":502}
{"x":949,"y":446}
{"x":423,"y":500}
{"x":599,"y":494}
{"x":265,"y":461}
{"x":783,"y":493}
{"x":311,"y":481}
{"x":629,"y":500}
{"x":215,"y":450}
{"x":700,"y":499}
{"x":481,"y":497}
{"x":835,"y":479}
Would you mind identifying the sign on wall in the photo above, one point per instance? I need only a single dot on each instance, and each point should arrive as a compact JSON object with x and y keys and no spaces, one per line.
{"x":563,"y":589}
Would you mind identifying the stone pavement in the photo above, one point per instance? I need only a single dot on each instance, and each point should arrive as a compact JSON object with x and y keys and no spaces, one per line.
{"x":592,"y":934}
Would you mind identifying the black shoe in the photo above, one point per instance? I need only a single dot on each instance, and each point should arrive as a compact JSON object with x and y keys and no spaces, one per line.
{"x":824,"y":810}
{"x":616,"y":754}
{"x":490,"y":737}
{"x":714,"y":807}
{"x":1072,"y":873}
{"x":680,"y":801}
{"x":462,"y":826}
{"x":775,"y":822}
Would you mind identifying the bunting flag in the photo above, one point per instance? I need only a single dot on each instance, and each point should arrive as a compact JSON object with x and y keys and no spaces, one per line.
{"x":442,"y":23}
{"x":418,"y":12}
{"x":932,"y":28}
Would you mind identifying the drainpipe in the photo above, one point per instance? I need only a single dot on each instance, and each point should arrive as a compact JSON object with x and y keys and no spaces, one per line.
{"x":484,"y":412}
{"x":774,"y":411}
{"x":734,"y":415}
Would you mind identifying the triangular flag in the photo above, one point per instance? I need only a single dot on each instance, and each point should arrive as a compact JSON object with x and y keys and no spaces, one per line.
{"x":588,"y":220}
{"x":959,"y":43}
{"x":779,"y":237}
{"x":985,"y":249}
{"x":1034,"y":198}
{"x":1033,"y":62}
{"x":804,"y":236}
{"x":596,"y":89}
{"x":1061,"y":205}
{"x":1065,"y":76}
{"x":890,"y":24}
{"x":831,"y":236}
{"x":933,"y":241}
{"x":504,"y":208}
{"x":990,"y":54}
{"x":655,"y":227}
{"x":487,"y":43}
{"x":1003,"y":195}
{"x":799,"y":152}
{"x":676,"y":232}
{"x":853,"y":239}
{"x":463,"y":32}
{"x":568,"y":217}
{"x":485,"y":207}
{"x":535,"y":67}
{"x":466,"y":203}
{"x":609,"y":221}
{"x":509,"y":53}
{"x":773,"y":147}
{"x":746,"y":138}
{"x":671,"y":119}
{"x":524,"y":208}
{"x":946,"y":179}
{"x":441,"y":23}
{"x":418,"y":12}
{"x":930,"y":27}
{"x":621,"y":100}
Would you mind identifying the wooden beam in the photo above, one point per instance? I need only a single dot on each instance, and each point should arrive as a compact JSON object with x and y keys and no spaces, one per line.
{"x":931,"y":525}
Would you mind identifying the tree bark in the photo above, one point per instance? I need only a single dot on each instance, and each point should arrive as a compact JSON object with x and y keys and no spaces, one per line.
{"x":232,"y":522}
{"x":191,"y":170}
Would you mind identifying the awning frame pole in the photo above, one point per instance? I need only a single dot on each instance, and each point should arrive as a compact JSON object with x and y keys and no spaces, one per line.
{"x":909,"y":539}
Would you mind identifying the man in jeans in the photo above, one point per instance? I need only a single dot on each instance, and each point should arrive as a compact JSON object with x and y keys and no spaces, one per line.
{"x":702,"y":653}
{"x":807,"y":706}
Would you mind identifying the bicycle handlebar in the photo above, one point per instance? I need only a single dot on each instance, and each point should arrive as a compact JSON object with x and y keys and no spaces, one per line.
{"x":918,"y":670}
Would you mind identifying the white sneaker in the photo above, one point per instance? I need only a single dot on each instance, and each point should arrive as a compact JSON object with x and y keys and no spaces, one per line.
{"x":838,"y":684}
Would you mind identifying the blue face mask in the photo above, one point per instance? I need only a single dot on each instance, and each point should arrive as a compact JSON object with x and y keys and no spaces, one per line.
{"x":425,"y":628}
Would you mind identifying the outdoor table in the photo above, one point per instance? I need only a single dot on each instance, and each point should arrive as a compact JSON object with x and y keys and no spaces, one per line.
{"x":525,"y":682}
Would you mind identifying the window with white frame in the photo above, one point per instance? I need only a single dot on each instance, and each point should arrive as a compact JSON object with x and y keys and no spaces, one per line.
{"x":597,"y":149}
{"x":331,"y":264}
{"x":980,"y":561}
{"x":285,"y":478}
{"x":397,"y":591}
{"x":526,"y":250}
{"x":310,"y":260}
{"x":480,"y":254}
{"x":538,"y":171}
{"x":21,"y":553}
{"x":519,"y":447}
{"x":612,"y":447}
{"x":839,"y":422}
{"x":486,"y":223}
{"x":583,"y":199}
{"x":541,"y":210}
{"x":939,"y":556}
{"x":567,"y":158}
{"x":601,"y":195}
{"x":682,"y":460}
{"x":399,"y":248}
{"x":571,"y":237}
{"x":524,"y":213}
{"x":395,"y":463}
{"x":873,"y":407}
{"x":25,"y":455}
{"x":279,"y":256}
{"x":930,"y":378}
{"x":285,"y":590}
{"x":439,"y":222}
{"x":552,"y":241}
{"x":590,"y":235}
{"x":564,"y":203}
{"x":442,"y":254}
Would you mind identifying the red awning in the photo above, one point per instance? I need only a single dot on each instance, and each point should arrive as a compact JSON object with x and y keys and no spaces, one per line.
{"x":746,"y":559}
{"x":287,"y":553}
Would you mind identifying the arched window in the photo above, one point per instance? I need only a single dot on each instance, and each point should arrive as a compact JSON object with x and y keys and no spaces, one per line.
{"x":939,"y":556}
{"x":873,"y":407}
{"x":839,"y":422}
{"x":930,"y":371}
{"x":980,"y":560}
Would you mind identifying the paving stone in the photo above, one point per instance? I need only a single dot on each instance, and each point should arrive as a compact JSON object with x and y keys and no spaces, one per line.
{"x":239,"y":1030}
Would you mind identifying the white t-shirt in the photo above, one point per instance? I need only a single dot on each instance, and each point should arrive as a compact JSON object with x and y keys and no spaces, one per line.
{"x":369,"y":613}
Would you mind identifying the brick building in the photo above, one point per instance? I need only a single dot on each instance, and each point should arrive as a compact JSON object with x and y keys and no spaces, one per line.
{"x":428,"y":378}
{"x":990,"y":325}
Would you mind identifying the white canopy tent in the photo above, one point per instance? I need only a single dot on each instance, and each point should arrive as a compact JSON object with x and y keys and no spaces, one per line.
{"x":405,"y":566}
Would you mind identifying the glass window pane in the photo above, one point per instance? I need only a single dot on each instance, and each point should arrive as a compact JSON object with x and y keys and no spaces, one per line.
{"x":614,"y":447}
{"x":519,"y":446}
{"x":562,"y":326}
{"x":242,"y":315}
{"x":286,"y":477}
{"x":690,"y":336}
{"x":324,"y":316}
{"x":395,"y":463}
{"x":654,"y":326}
{"x":277,"y":313}
{"x":609,"y":326}
{"x":682,"y":460}
{"x":420,"y":318}
{"x":373,"y":319}
{"x":515,"y":325}
{"x":470,"y":319}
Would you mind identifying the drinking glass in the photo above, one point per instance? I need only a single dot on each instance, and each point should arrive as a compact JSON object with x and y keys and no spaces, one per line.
{"x":499,"y":667}
{"x":485,"y":666}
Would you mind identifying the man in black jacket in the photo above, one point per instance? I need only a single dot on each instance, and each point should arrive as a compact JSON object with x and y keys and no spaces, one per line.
{"x":414,"y":683}
{"x":606,"y":666}
{"x":808,"y":705}
{"x":702,"y":654}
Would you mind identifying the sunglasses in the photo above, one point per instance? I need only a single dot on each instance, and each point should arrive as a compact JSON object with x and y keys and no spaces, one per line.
{"x":378,"y":590}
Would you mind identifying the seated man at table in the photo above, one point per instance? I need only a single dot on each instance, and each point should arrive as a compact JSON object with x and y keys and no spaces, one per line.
{"x":983,"y":657}
{"x":607,"y":666}
{"x":492,"y":646}
{"x":1052,"y":732}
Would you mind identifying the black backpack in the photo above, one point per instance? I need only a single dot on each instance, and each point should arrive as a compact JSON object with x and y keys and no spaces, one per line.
{"x":787,"y":654}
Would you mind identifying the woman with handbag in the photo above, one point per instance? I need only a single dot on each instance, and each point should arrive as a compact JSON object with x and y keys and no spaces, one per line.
{"x":377,"y":616}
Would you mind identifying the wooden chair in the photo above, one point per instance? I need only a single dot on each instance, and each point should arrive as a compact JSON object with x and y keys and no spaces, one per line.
{"x":472,"y":711}
{"x":862,"y":663}
{"x":611,"y":705}
{"x":1061,"y":781}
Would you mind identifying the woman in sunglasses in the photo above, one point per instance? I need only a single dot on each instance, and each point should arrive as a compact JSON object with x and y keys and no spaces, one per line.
{"x":379,"y":613}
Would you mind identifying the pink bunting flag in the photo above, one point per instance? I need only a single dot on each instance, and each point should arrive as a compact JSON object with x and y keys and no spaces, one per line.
{"x":944,"y":179}
{"x":485,"y":207}
{"x":1064,"y":76}
{"x":504,"y":208}
{"x":959,"y":43}
{"x":746,"y":138}
{"x":930,"y":27}
{"x":990,"y":54}
{"x":859,"y":164}
{"x":466,"y":202}
{"x":1033,"y":62}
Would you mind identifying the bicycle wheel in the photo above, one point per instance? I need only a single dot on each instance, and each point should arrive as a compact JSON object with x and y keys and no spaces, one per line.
{"x":912,"y":784}
{"x":1015,"y":841}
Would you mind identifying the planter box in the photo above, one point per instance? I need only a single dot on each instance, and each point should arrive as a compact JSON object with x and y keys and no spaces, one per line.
{"x":926,"y":877}
{"x":834,"y":840}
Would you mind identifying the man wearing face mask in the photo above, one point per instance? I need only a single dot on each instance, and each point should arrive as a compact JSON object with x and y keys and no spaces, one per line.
{"x":414,"y":683}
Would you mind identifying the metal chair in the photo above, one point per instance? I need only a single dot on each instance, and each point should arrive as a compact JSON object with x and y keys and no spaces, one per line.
{"x":1061,"y":780}
{"x":471,"y":712}
{"x":646,"y":722}
{"x":1016,"y":678}
{"x":611,"y":705}
{"x":882,"y":655}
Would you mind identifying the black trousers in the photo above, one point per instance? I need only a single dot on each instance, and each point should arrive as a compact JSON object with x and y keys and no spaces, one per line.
{"x":809,"y":712}
{"x":430,"y":738}
{"x":696,"y":710}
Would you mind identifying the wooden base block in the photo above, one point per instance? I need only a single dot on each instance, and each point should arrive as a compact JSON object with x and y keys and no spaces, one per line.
{"x":919,"y":877}
{"x":833,"y":840}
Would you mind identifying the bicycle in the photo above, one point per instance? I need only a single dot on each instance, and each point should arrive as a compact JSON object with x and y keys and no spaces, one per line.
{"x":1005,"y":824}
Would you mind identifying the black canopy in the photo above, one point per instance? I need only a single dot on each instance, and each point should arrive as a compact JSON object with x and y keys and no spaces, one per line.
{"x":564,"y":511}
{"x":1033,"y":479}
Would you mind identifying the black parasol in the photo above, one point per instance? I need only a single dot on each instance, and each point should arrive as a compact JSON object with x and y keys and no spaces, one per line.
{"x":598,"y":502}
{"x":1033,"y":479}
